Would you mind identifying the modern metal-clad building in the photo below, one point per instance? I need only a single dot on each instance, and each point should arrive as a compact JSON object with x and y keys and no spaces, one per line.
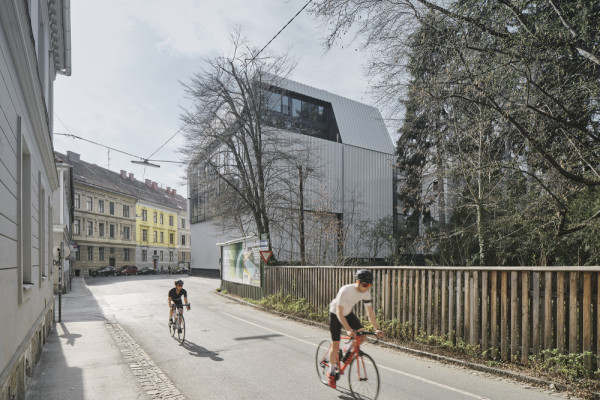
{"x":349,"y":183}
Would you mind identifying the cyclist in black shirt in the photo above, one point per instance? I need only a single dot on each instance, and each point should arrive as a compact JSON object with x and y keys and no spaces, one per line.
{"x":175,"y":296}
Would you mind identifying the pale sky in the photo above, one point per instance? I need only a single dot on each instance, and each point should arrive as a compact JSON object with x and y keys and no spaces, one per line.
{"x":129,"y":56}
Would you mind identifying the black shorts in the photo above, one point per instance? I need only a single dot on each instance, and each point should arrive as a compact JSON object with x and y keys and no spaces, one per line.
{"x":335,"y":326}
{"x":178,"y":305}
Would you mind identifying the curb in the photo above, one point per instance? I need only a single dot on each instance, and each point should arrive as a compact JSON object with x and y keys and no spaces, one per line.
{"x":474,"y":366}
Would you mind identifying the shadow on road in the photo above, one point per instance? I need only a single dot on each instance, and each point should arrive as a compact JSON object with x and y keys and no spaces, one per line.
{"x":261,"y":337}
{"x":199,"y":351}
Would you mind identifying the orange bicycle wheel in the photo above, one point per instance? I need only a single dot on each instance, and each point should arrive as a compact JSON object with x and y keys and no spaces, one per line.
{"x":363,"y":378}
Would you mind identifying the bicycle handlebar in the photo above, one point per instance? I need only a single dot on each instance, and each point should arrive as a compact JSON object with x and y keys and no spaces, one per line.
{"x":183,"y":305}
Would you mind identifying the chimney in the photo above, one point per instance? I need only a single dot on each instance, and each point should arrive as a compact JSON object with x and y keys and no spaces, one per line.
{"x":168,"y":190}
{"x":154,"y":185}
{"x":174,"y":192}
{"x":73,"y":156}
{"x":123,"y":174}
{"x":131,"y":176}
{"x":148,"y":183}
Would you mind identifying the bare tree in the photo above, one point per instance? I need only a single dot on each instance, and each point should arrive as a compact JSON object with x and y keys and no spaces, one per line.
{"x":242,"y":166}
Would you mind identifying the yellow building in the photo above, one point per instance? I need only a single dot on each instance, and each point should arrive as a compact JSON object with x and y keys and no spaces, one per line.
{"x":156,"y":233}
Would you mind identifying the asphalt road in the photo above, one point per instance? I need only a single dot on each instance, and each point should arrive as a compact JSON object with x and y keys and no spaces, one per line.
{"x":233,"y":351}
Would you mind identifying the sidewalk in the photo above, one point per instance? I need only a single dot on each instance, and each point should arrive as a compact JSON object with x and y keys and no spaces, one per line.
{"x":80,"y":360}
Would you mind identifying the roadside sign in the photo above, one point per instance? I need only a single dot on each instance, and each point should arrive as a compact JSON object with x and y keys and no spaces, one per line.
{"x":265,"y":255}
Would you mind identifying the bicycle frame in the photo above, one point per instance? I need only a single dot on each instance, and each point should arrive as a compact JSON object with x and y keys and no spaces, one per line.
{"x":178,"y":312}
{"x":355,"y":353}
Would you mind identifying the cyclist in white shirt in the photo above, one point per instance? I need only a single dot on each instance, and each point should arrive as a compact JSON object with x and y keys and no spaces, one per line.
{"x":341,"y":315}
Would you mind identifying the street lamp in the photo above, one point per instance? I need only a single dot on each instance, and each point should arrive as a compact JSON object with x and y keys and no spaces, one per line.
{"x":146,"y":163}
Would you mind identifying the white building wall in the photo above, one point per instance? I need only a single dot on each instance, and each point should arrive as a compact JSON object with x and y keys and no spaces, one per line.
{"x":205,"y":252}
{"x":26,"y":235}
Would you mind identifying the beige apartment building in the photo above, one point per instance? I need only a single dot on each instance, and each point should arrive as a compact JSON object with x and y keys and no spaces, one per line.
{"x":120,"y":221}
{"x":103,"y":228}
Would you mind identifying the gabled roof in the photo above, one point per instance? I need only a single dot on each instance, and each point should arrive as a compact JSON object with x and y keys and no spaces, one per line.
{"x":93,"y":175}
{"x":360,"y":125}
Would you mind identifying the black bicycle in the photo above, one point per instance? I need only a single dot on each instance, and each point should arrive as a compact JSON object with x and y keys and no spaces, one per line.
{"x":177,"y":323}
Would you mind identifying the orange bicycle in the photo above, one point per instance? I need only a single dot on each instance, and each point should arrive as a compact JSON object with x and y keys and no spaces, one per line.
{"x":363,"y":376}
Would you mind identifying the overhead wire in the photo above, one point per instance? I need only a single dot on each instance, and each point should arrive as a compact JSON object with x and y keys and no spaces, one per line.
{"x":180,"y":129}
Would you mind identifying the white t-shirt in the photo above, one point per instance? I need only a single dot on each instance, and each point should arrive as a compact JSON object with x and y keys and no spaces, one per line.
{"x":347,"y":297}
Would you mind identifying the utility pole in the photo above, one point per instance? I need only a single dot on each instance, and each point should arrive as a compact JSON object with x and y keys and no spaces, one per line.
{"x":302,"y":244}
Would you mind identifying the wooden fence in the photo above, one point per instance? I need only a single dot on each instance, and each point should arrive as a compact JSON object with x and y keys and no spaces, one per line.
{"x":501,"y":309}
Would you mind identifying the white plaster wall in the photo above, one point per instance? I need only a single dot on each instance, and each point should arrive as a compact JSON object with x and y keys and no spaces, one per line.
{"x":205,"y":252}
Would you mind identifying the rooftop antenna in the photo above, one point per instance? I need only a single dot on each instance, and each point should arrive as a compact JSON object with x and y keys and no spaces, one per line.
{"x":108,"y":158}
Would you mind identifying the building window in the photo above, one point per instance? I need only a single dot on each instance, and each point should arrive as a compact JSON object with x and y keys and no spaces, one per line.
{"x":161,"y":256}
{"x":183,"y":240}
{"x":161,"y":219}
{"x":171,"y":238}
{"x":155,"y":236}
{"x":112,"y":208}
{"x":76,"y":227}
{"x":170,"y":220}
{"x":144,"y":215}
{"x":112,"y":230}
{"x":112,"y":250}
{"x":88,"y":204}
{"x":90,"y":253}
{"x":125,"y":254}
{"x":78,"y":255}
{"x":144,"y":255}
{"x":182,"y":256}
{"x":171,"y":255}
{"x":126,"y":211}
{"x":155,"y":218}
{"x":90,"y":228}
{"x":162,"y":237}
{"x":182,"y":223}
{"x":101,"y":229}
{"x":100,"y":253}
{"x":77,"y":200}
{"x":101,"y":206}
{"x":126,"y":232}
{"x":144,"y":235}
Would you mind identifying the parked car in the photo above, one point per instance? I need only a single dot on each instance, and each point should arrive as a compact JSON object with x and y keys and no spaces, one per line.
{"x":180,"y":270}
{"x":108,"y":270}
{"x":105,"y":271}
{"x":147,"y":271}
{"x":129,"y":270}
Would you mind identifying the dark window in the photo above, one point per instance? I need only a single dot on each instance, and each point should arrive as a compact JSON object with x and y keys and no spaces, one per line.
{"x":112,"y":208}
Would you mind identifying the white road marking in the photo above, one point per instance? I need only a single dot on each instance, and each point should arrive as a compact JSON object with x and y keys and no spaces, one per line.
{"x":440,"y":385}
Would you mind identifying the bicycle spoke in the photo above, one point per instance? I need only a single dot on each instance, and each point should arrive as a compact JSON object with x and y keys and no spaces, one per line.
{"x":363,"y":378}
{"x":322,"y":360}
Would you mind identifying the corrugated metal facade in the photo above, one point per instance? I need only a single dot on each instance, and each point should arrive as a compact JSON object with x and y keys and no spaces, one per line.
{"x":352,"y":179}
{"x":360,"y":125}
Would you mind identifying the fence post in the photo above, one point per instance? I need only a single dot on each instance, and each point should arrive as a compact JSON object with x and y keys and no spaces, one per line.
{"x":524,"y":317}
